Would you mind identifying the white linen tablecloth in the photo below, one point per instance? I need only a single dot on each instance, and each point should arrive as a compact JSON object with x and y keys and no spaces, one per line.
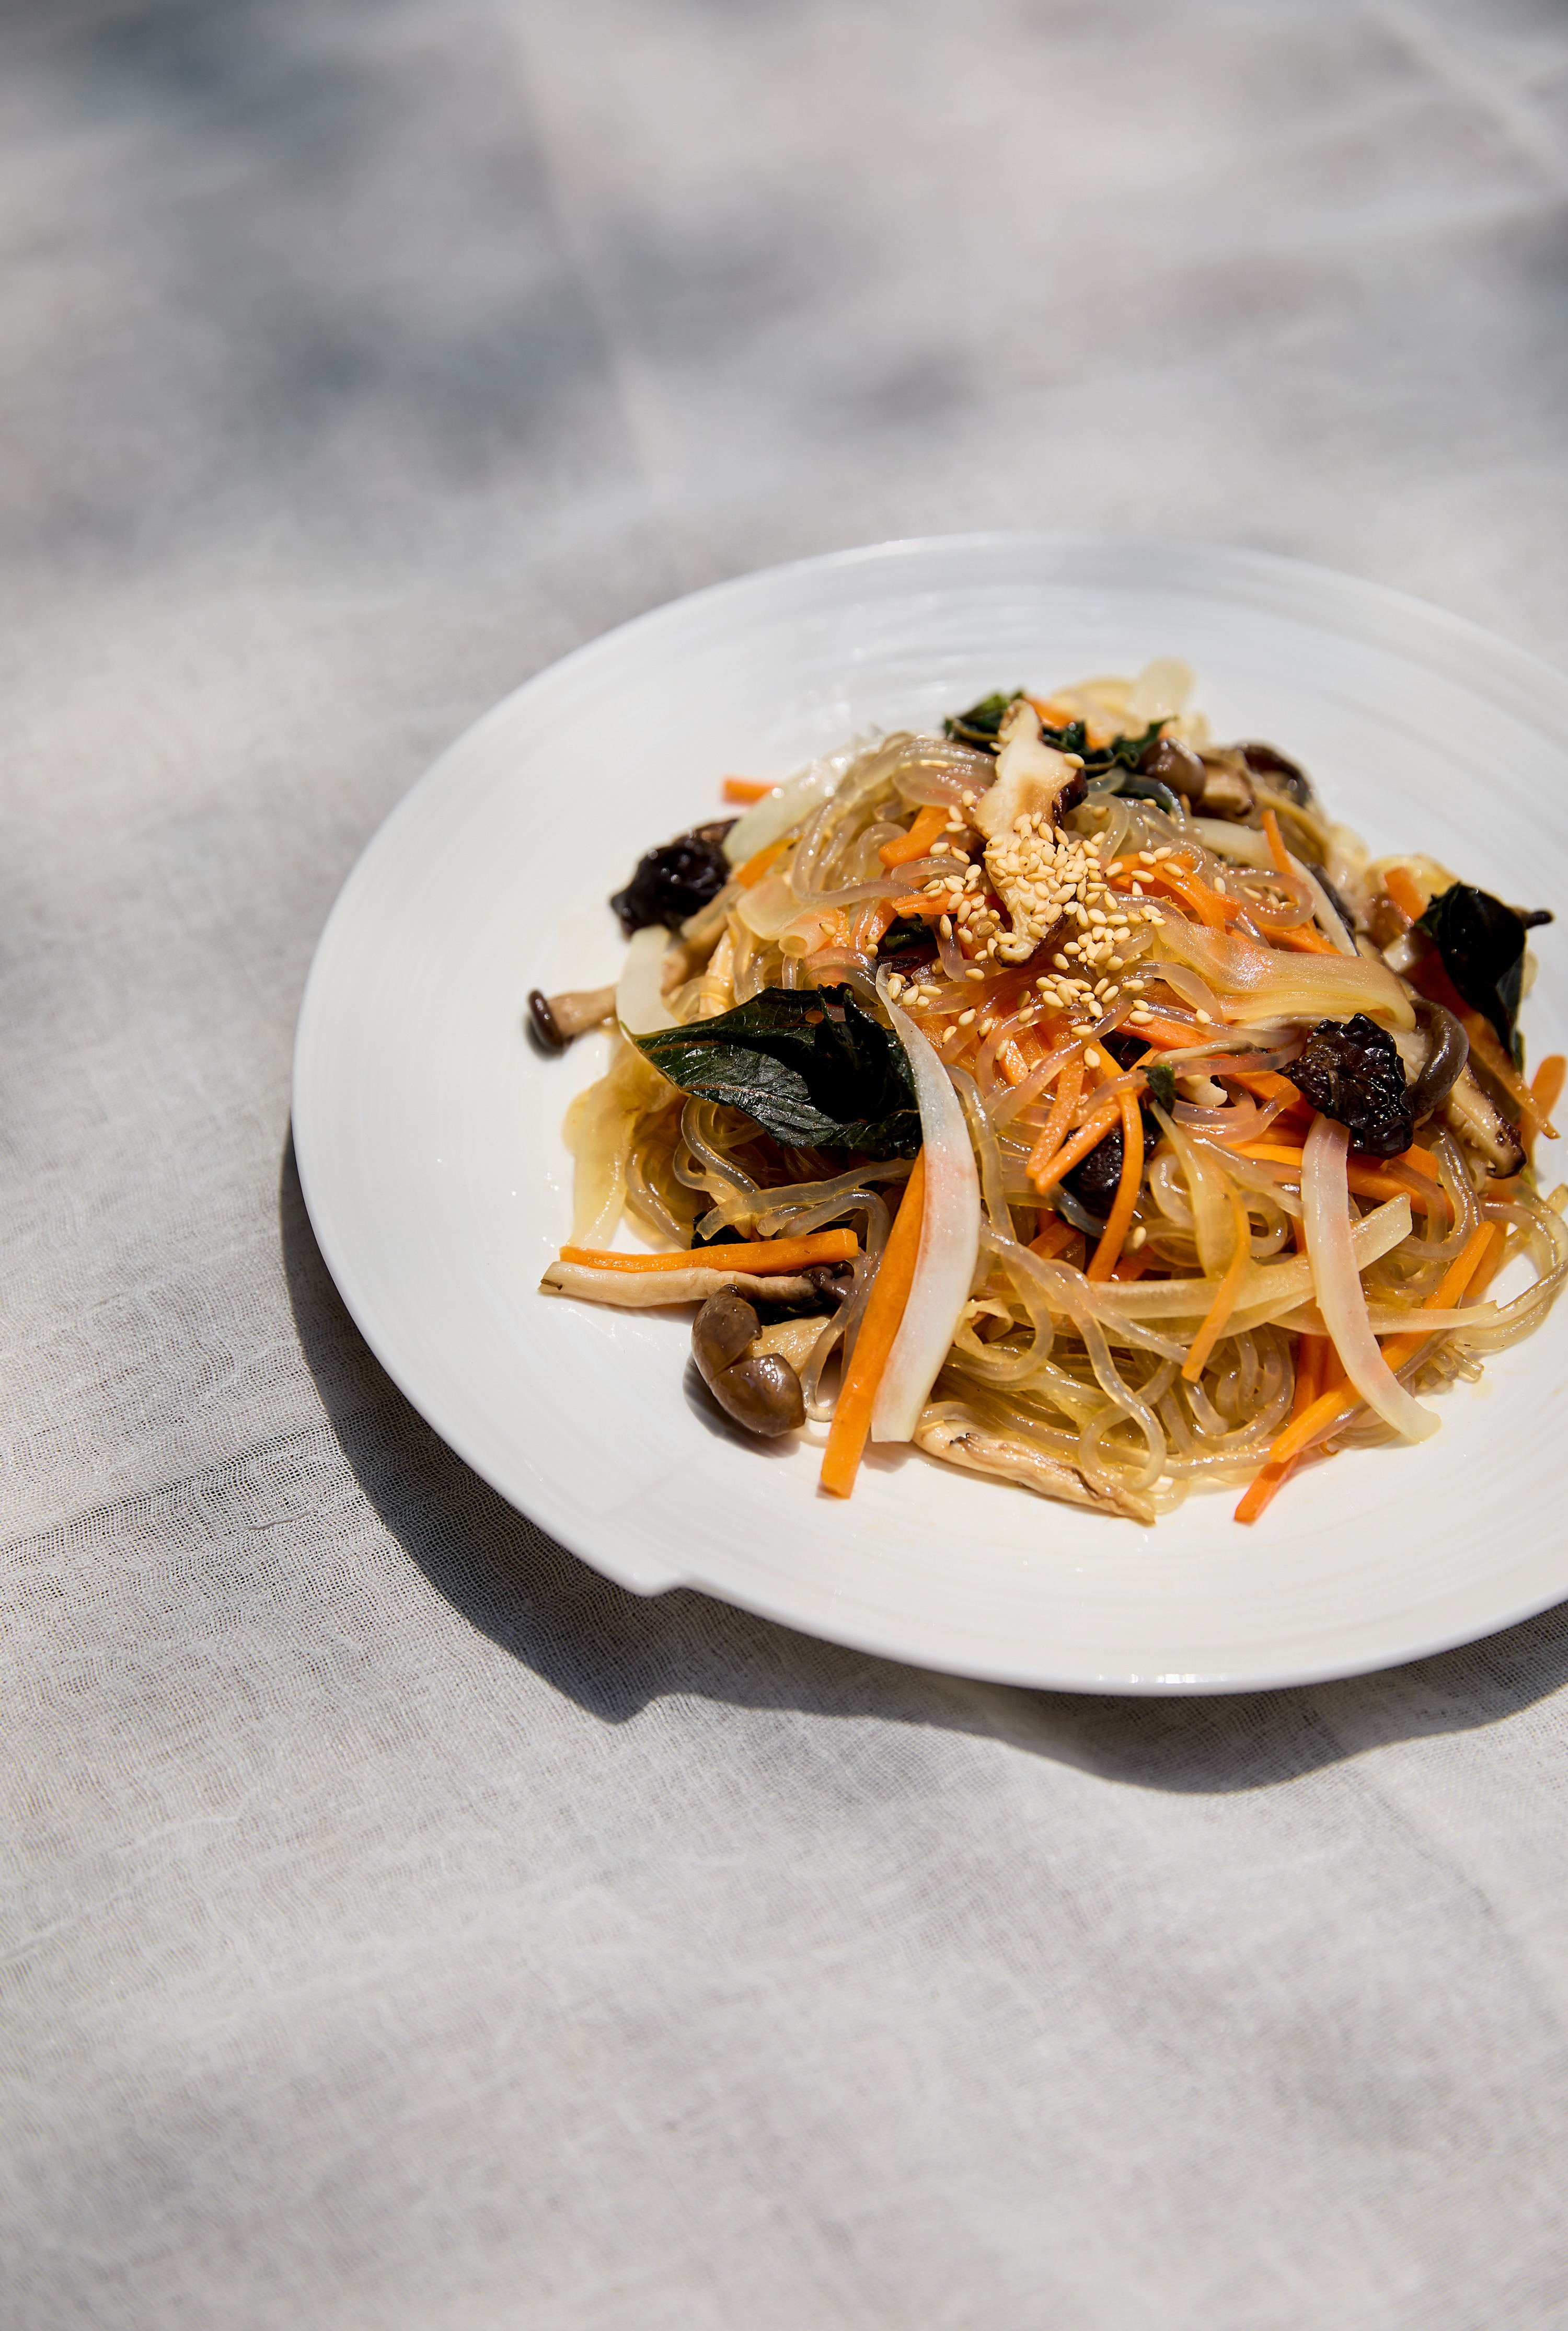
{"x":399,"y":1927}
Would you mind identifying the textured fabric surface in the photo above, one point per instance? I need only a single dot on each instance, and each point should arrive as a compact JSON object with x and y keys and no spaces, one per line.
{"x":399,"y":1927}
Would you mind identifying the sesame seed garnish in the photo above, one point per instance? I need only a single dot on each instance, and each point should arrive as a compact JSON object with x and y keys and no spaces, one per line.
{"x":1091,"y":1058}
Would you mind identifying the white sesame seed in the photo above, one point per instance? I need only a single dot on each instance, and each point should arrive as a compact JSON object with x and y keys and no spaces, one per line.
{"x":1091,"y":1058}
{"x":1136,"y":1237}
{"x":1206,"y":1017}
{"x":974,"y":972}
{"x":1167,"y":851}
{"x":945,"y":926}
{"x":966,"y":1017}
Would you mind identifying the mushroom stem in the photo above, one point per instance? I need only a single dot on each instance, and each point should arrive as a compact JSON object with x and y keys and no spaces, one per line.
{"x":557,"y":1018}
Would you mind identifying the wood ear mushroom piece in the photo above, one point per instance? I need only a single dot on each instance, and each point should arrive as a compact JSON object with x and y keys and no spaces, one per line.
{"x":557,"y":1018}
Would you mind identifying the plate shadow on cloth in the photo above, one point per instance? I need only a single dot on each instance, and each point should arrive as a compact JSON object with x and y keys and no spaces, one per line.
{"x":612,"y":1652}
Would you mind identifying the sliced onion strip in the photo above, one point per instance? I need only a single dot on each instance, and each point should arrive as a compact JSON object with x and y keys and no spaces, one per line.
{"x":1341,"y":1297}
{"x":949,"y":1244}
{"x":640,"y":1005}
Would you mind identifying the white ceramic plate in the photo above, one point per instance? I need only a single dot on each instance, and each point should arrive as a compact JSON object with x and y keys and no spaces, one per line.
{"x":428,"y":1134}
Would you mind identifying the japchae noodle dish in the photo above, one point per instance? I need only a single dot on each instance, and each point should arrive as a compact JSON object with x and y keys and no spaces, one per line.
{"x":1065,"y":1093}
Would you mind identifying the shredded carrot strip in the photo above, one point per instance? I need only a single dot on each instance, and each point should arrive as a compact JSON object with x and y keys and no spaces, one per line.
{"x":1131,"y":1266}
{"x":872,"y":922}
{"x":1403,"y":892}
{"x":748,"y":789}
{"x":1368,"y":1183}
{"x":757,"y":867}
{"x":1055,"y":715}
{"x":1054,"y":1129}
{"x":1304,"y":940}
{"x":1224,"y":1302}
{"x":1364,"y":1180}
{"x":917,"y":903}
{"x":1127,"y":1188}
{"x":1168,"y":1034}
{"x":1089,"y":1135}
{"x":1396,"y":1351}
{"x":1277,"y":850}
{"x":880,"y":1326}
{"x":1272,"y":1153}
{"x":1490,"y":1262}
{"x":1057,"y":1234}
{"x":1011,"y":1062}
{"x":1546,"y":1091}
{"x":1265,"y":1083}
{"x":755,"y":1254}
{"x":1309,"y":1358}
{"x":927,"y":828}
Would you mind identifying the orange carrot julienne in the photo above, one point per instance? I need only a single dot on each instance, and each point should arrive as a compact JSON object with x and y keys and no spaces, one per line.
{"x":1277,"y":850}
{"x":757,"y":867}
{"x":880,"y":1326}
{"x":927,"y":828}
{"x":1546,"y":1091}
{"x":1059,"y":1118}
{"x":916,"y":904}
{"x":1057,"y":1234}
{"x":1131,"y":1180}
{"x":1490,"y":1262}
{"x":1303,"y":939}
{"x":753,"y":1255}
{"x":748,"y":789}
{"x":1168,"y":1036}
{"x":1310,"y":1351}
{"x":1089,"y":1135}
{"x":1402,"y":890}
{"x":1224,"y":1302}
{"x":1396,"y":1351}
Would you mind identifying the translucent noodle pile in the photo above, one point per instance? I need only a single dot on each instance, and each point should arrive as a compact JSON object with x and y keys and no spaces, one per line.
{"x":1096,"y":953}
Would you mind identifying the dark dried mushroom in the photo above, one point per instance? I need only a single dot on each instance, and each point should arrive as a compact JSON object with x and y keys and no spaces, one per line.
{"x":676,"y":880}
{"x":1282,"y":776}
{"x":1095,"y":1180}
{"x":1351,"y":1071}
{"x":760,"y":1391}
{"x":1447,"y":1048}
{"x":1170,"y":763}
{"x":1482,"y":943}
{"x":557,"y":1018}
{"x":827,"y":1284}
